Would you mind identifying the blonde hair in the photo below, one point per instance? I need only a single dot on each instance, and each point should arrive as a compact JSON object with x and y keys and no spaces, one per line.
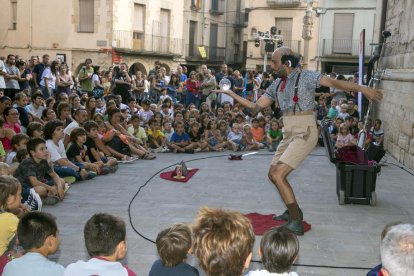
{"x":222,"y":241}
{"x":8,"y":186}
{"x":4,"y":168}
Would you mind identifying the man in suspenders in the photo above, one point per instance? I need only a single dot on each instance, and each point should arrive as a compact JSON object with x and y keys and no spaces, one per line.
{"x":294,"y":92}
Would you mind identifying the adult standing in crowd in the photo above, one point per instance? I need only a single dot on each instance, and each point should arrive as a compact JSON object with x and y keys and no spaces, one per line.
{"x":48,"y":81}
{"x":38,"y":71}
{"x":123,"y":83}
{"x":294,"y":93}
{"x":3,"y":72}
{"x":85,"y":77}
{"x":63,"y":81}
{"x":12,"y":77}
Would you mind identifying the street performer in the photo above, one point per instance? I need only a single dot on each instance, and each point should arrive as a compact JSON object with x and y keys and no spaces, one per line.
{"x":293,"y":91}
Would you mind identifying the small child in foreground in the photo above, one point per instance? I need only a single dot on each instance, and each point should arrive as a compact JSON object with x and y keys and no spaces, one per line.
{"x":105,"y":240}
{"x":278,"y":250}
{"x":173,"y":244}
{"x":39,"y":236}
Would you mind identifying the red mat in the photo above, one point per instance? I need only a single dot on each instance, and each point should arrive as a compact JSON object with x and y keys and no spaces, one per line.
{"x":169,"y":176}
{"x":262,"y":223}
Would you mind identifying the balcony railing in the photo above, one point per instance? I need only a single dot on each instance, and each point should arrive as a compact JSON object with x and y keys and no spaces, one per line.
{"x":240,"y":20}
{"x":140,"y":42}
{"x":283,"y":3}
{"x":343,"y":47}
{"x":214,"y":54}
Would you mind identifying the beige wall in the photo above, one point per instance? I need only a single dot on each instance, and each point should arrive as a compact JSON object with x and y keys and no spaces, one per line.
{"x":262,"y":19}
{"x":397,"y":108}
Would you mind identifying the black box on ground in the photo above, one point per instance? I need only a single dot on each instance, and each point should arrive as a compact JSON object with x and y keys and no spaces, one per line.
{"x":354,"y":183}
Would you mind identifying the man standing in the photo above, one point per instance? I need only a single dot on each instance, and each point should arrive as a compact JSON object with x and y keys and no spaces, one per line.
{"x":222,"y":73}
{"x":2,"y":74}
{"x":38,"y":71}
{"x":123,"y":83}
{"x":12,"y":77}
{"x":294,"y":92}
{"x":208,"y":85}
{"x":85,"y":77}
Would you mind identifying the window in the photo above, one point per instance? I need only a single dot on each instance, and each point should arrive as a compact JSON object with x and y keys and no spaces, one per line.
{"x":343,"y":31}
{"x":284,"y":25}
{"x":139,"y":18}
{"x":86,"y":16}
{"x":13,"y":13}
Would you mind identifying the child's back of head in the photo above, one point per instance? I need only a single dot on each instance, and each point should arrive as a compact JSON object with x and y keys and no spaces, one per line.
{"x":103,"y":233}
{"x":279,"y":249}
{"x":173,"y":244}
{"x":34,"y":229}
{"x":223,"y":241}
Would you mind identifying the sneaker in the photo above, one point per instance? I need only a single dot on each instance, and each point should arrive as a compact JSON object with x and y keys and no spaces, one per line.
{"x":105,"y":170}
{"x":157,"y":150}
{"x":91,"y":175}
{"x":126,"y":159}
{"x":50,"y":200}
{"x":34,"y":202}
{"x":113,"y":169}
{"x":67,"y":187}
{"x":70,"y":179}
{"x":165,"y":150}
{"x":197,"y":150}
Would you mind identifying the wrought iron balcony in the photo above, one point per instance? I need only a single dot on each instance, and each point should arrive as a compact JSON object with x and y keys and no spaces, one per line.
{"x":343,"y":47}
{"x":139,"y":42}
{"x":217,"y":7}
{"x":284,"y":3}
{"x":214,"y":54}
{"x":295,"y":45}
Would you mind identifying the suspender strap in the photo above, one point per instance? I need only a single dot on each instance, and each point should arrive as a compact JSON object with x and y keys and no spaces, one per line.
{"x":277,"y":88}
{"x":296,"y":94}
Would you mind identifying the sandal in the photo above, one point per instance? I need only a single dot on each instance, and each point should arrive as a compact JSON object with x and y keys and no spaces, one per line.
{"x":147,"y":156}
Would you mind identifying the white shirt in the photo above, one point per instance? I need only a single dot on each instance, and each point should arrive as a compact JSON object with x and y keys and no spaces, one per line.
{"x":95,"y":78}
{"x":71,"y":127}
{"x":267,"y":273}
{"x":33,"y":263}
{"x":3,"y":69}
{"x":35,"y":111}
{"x":51,"y":79}
{"x":56,"y":151}
{"x":95,"y":267}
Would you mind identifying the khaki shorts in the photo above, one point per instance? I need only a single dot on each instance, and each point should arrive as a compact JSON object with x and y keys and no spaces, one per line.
{"x":300,"y":136}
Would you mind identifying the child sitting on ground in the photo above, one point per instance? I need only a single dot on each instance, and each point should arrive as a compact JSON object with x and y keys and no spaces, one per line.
{"x":180,"y":141}
{"x":234,"y":138}
{"x":211,"y":135}
{"x":76,"y":153}
{"x":156,"y":139}
{"x":173,"y":245}
{"x":92,"y":152}
{"x":145,"y":113}
{"x":257,"y":131}
{"x":195,"y":137}
{"x":39,"y":236}
{"x":248,"y":139}
{"x":137,"y":131}
{"x":10,"y":197}
{"x":278,"y":250}
{"x":32,"y":172}
{"x":168,"y":131}
{"x":105,"y":240}
{"x":223,"y":242}
{"x":18,"y":142}
{"x":274,"y":135}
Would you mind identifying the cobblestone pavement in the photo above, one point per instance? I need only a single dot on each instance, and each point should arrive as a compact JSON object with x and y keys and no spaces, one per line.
{"x":341,"y":235}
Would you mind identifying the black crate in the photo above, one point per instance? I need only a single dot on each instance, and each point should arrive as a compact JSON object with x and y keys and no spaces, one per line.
{"x":354,"y":183}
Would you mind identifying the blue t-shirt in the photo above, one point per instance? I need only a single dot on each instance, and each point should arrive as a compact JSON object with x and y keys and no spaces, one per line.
{"x":176,"y":138}
{"x":182,"y":269}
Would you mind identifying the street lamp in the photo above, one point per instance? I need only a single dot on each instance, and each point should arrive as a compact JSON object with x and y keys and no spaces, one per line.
{"x":270,"y":39}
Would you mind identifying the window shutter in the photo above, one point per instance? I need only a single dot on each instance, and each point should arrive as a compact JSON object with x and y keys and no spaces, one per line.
{"x":343,"y":32}
{"x":86,"y":16}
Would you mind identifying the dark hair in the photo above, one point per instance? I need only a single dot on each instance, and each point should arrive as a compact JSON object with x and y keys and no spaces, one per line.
{"x":32,"y":127}
{"x":146,"y":102}
{"x":8,"y":186}
{"x":35,"y":95}
{"x":290,"y":60}
{"x":50,"y":127}
{"x":45,"y":111}
{"x":16,"y":139}
{"x":33,"y":143}
{"x":4,"y":98}
{"x":96,"y":69}
{"x":76,"y":132}
{"x":103,"y":232}
{"x":134,"y":117}
{"x":279,"y":250}
{"x":7,"y":109}
{"x":34,"y":228}
{"x":178,"y":123}
{"x":21,"y":155}
{"x":60,"y":107}
{"x":173,"y":244}
{"x":89,"y":125}
{"x":1,"y":122}
{"x":131,"y":99}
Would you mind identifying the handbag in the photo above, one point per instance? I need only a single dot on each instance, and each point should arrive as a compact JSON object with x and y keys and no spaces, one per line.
{"x":97,"y":92}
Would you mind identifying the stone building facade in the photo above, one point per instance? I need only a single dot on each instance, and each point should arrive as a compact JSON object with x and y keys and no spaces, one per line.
{"x":397,"y":108}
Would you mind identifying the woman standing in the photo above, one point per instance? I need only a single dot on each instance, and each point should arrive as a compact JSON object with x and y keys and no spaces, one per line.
{"x":48,"y":80}
{"x":193,"y":89}
{"x":64,"y":81}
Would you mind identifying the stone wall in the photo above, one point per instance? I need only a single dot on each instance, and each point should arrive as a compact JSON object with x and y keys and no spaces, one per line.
{"x":397,"y":108}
